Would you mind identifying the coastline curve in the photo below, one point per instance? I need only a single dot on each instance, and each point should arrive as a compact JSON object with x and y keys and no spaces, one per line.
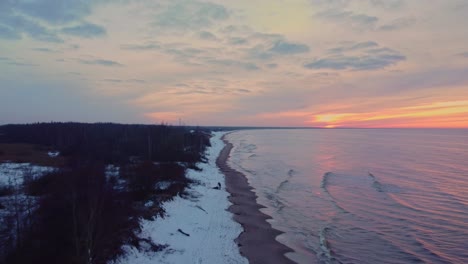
{"x":258,"y":240}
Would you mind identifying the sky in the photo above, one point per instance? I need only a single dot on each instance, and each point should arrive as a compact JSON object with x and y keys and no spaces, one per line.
{"x":317,"y":63}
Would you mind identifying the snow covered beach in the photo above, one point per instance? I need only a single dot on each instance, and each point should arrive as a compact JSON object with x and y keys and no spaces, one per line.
{"x":197,"y":228}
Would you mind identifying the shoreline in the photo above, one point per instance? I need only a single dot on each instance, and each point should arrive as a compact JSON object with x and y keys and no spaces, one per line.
{"x":197,"y":228}
{"x":258,"y":240}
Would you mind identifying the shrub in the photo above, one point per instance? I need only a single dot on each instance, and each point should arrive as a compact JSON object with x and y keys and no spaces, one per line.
{"x":6,"y":190}
{"x":38,"y":186}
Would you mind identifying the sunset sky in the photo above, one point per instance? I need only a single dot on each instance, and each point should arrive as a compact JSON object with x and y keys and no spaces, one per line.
{"x":326,"y":63}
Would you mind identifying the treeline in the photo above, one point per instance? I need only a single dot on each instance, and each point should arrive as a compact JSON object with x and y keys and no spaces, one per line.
{"x":83,"y":213}
{"x":111,"y":143}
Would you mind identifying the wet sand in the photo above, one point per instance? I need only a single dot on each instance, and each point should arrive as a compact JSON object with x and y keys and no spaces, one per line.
{"x":257,"y":243}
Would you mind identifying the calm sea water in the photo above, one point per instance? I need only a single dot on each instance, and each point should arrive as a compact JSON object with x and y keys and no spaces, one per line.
{"x":362,"y":195}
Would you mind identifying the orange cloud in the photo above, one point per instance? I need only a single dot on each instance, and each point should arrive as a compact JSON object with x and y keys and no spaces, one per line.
{"x":438,"y":114}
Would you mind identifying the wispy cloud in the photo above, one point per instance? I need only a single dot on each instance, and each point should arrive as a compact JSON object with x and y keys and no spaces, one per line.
{"x":141,"y":47}
{"x":190,"y":15}
{"x":398,"y":24}
{"x":135,"y":81}
{"x":37,"y":19}
{"x":206,"y":35}
{"x":354,"y":46}
{"x":232,"y":63}
{"x":27,"y":26}
{"x":287,"y":48}
{"x":359,"y":56}
{"x":108,"y":63}
{"x":16,"y":62}
{"x":85,"y":30}
{"x":53,"y":11}
{"x":46,"y":50}
{"x":350,"y":18}
{"x":388,"y":4}
{"x":8,"y":33}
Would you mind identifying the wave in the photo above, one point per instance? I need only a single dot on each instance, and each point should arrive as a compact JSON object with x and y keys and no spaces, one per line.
{"x":386,"y":188}
{"x":248,"y":148}
{"x":242,"y":169}
{"x":324,"y":186}
{"x":282,"y":184}
{"x":375,"y":183}
{"x":326,"y":254}
{"x":324,"y":182}
{"x":324,"y":245}
{"x":277,"y":203}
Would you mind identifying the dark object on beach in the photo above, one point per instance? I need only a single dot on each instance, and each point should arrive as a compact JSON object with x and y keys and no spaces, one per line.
{"x":182,"y":232}
{"x":218,"y":187}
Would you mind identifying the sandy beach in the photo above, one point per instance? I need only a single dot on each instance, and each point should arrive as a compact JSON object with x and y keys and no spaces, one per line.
{"x":257,"y":243}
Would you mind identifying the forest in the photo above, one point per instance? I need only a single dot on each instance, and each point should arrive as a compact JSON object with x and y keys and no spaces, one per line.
{"x":106,"y":177}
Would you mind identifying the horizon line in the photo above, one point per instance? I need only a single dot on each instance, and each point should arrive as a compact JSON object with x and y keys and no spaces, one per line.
{"x":229,"y":126}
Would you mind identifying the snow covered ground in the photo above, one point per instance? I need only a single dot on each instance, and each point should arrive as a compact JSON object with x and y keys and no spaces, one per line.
{"x":15,"y":206}
{"x":197,"y":229}
{"x":14,"y":173}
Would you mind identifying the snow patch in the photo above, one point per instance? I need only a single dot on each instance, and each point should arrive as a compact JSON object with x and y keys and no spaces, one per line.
{"x":53,"y":154}
{"x":14,"y":173}
{"x":163,"y":185}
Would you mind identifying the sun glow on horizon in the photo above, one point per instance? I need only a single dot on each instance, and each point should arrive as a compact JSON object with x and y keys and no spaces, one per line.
{"x":450,"y":114}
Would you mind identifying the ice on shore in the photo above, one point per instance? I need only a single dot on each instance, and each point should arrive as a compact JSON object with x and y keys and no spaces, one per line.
{"x":197,"y":228}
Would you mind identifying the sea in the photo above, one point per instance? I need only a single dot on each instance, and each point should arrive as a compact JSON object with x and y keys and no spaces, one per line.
{"x":361,"y":195}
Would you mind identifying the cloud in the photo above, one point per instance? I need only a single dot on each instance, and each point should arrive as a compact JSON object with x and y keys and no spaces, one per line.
{"x":101,"y":62}
{"x":141,"y":47}
{"x":355,"y":20}
{"x":16,"y":62}
{"x":136,"y":81}
{"x":54,"y":11}
{"x":38,"y":19}
{"x":47,"y":50}
{"x":184,"y":53}
{"x":34,"y":18}
{"x":356,"y":63}
{"x":398,"y":24}
{"x":206,"y":35}
{"x":233,"y":63}
{"x":30,"y":27}
{"x":112,"y":80}
{"x":190,"y":15}
{"x":359,"y":56}
{"x":124,"y":81}
{"x":8,"y":33}
{"x":385,"y":4}
{"x":388,"y":4}
{"x":237,"y":41}
{"x":354,"y":46}
{"x":270,"y":45}
{"x":244,"y":90}
{"x":463,"y":54}
{"x":85,"y":30}
{"x":331,"y":3}
{"x":287,"y":48}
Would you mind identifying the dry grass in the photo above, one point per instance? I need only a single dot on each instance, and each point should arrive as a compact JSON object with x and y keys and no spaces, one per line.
{"x":28,"y":153}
